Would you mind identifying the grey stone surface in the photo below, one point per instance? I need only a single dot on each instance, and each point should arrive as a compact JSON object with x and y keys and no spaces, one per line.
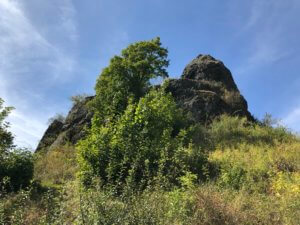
{"x":69,"y":132}
{"x":207,"y":89}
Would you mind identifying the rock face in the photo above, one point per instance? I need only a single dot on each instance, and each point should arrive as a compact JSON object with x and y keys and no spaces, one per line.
{"x":207,"y":68}
{"x":71,"y":130}
{"x":50,"y":135}
{"x":205,"y":90}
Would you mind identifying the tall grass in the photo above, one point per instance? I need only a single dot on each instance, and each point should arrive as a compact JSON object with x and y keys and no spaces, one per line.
{"x":257,"y":182}
{"x":56,"y":166}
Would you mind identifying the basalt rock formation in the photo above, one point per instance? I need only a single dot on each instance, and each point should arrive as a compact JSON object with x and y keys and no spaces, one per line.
{"x":205,"y":90}
{"x":71,"y":130}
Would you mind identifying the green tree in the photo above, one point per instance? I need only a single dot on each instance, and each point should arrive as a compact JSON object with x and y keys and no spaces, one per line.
{"x":128,"y":77}
{"x":138,"y":135}
{"x":16,"y":168}
{"x":16,"y":165}
{"x":6,"y":137}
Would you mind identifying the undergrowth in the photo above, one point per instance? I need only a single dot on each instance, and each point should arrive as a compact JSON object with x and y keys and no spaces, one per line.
{"x":256,"y":182}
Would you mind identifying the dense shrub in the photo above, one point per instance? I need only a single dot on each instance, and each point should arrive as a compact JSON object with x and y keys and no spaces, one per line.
{"x":16,"y":169}
{"x":138,"y":136}
{"x":148,"y":143}
{"x":33,"y":205}
{"x":16,"y":165}
{"x":76,"y":99}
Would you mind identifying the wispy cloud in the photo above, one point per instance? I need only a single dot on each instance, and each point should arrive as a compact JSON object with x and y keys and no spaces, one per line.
{"x":268,"y":26}
{"x":31,"y":61}
{"x":23,"y":44}
{"x":292,"y":120}
{"x":28,"y":129}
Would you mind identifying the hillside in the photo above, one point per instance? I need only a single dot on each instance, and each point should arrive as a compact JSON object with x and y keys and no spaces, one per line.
{"x":186,"y":151}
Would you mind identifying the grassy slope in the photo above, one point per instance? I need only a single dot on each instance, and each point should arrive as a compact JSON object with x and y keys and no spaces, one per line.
{"x":258,"y":183}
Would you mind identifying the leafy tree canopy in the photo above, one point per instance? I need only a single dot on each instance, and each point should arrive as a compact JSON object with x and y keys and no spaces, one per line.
{"x":138,"y":135}
{"x":128,"y":77}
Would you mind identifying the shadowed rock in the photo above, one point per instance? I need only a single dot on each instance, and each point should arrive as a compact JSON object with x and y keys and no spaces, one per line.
{"x":205,"y":67}
{"x":206,"y":90}
{"x":69,"y":132}
{"x":50,"y":135}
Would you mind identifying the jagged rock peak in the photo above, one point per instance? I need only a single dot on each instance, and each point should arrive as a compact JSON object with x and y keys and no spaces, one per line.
{"x":50,"y":135}
{"x":207,"y":89}
{"x":206,"y":67}
{"x":71,"y":130}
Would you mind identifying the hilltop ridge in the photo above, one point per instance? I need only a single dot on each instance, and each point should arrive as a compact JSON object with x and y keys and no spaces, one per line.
{"x":205,"y":90}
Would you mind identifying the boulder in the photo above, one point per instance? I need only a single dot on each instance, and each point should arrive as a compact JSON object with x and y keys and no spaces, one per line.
{"x":206,"y":90}
{"x":205,"y":67}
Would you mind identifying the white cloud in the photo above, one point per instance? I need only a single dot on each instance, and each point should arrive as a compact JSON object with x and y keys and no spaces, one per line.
{"x":292,"y":120}
{"x":32,"y":59}
{"x":28,"y":129}
{"x":24,"y":46}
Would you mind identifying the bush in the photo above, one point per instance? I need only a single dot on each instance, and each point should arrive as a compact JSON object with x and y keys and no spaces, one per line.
{"x":148,"y":143}
{"x":16,"y":165}
{"x":76,"y":99}
{"x":58,"y":116}
{"x":138,"y":136}
{"x":33,"y":205}
{"x":16,"y":170}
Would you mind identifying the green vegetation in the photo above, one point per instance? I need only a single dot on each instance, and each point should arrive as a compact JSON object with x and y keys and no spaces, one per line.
{"x":58,"y":116}
{"x":128,"y":78}
{"x":60,"y":161}
{"x":16,"y":166}
{"x":137,"y":150}
{"x":76,"y":99}
{"x":254,"y":183}
{"x":144,"y":162}
{"x":6,"y":137}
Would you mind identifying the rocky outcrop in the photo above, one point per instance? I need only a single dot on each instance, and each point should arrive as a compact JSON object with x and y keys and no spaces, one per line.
{"x":71,"y":130}
{"x":207,"y":68}
{"x":205,"y":90}
{"x":50,"y":135}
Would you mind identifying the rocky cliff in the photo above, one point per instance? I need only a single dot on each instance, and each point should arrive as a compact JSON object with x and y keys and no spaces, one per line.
{"x":69,"y":131}
{"x":205,"y":90}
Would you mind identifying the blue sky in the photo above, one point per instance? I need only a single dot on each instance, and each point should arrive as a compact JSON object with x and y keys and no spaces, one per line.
{"x":53,"y":49}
